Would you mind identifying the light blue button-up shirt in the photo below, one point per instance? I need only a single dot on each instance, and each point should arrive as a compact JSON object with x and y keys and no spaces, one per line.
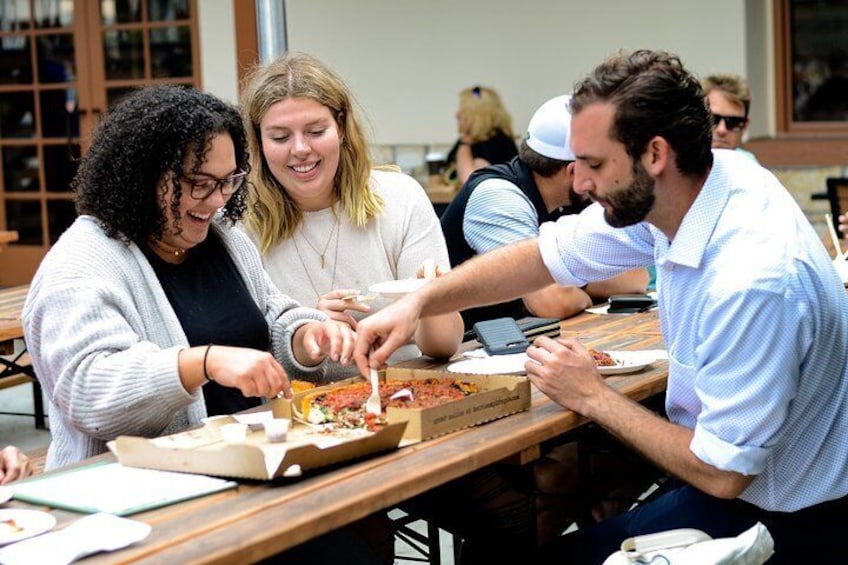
{"x":755,"y":318}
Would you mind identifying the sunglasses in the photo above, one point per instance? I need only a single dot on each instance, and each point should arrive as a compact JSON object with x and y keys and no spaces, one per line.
{"x":476,"y":92}
{"x":732,"y":123}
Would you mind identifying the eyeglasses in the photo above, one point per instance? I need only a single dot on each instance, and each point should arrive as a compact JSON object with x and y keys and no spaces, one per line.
{"x":201,"y":189}
{"x":732,"y":123}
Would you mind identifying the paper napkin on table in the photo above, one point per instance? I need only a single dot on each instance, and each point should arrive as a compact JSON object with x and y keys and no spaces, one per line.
{"x":92,"y":534}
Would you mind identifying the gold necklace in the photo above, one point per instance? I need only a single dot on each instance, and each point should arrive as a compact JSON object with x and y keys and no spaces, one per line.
{"x":172,"y":250}
{"x":335,"y":261}
{"x":321,"y":254}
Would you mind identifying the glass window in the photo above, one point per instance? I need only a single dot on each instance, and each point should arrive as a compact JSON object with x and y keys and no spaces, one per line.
{"x":56,"y":61}
{"x":120,"y":11}
{"x":15,"y":60}
{"x":812,"y":65}
{"x":54,"y":13}
{"x":60,"y":166}
{"x":167,"y":10}
{"x":170,"y":52}
{"x":819,"y":60}
{"x":17,"y":114}
{"x":14,"y":14}
{"x":20,"y":168}
{"x":60,"y":215}
{"x":24,"y":216}
{"x":123,"y":54}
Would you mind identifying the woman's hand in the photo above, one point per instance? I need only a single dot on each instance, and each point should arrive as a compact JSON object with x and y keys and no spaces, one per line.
{"x":336,"y":303}
{"x":315,"y":341}
{"x":843,"y":224}
{"x":251,"y":371}
{"x":14,"y":465}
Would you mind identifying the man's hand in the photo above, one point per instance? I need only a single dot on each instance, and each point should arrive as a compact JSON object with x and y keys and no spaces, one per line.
{"x":564,"y":370}
{"x":13,"y":465}
{"x":381,"y":334}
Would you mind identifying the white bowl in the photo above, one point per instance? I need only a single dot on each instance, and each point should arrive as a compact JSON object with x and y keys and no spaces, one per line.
{"x":398,"y":288}
{"x":234,"y":433}
{"x":277,"y":430}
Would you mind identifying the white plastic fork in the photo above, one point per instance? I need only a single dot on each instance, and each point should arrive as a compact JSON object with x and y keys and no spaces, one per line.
{"x":372,"y":405}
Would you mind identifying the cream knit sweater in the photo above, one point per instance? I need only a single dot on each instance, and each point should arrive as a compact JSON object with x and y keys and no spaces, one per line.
{"x":104,"y":340}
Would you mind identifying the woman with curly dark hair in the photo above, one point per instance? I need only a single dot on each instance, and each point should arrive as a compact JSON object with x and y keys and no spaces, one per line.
{"x":152,"y":310}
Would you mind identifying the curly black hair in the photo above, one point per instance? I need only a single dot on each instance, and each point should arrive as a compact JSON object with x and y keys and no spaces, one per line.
{"x":143,"y":139}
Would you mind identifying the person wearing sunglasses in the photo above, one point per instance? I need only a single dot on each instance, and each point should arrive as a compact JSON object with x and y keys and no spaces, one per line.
{"x":485,"y":134}
{"x":153,"y":311}
{"x":729,"y":99}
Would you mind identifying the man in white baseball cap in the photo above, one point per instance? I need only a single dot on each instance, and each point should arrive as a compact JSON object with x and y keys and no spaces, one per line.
{"x":502,"y":204}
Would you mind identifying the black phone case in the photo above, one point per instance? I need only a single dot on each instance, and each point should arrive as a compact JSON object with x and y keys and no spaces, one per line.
{"x":501,"y":336}
{"x":628,"y":303}
{"x":533,"y":326}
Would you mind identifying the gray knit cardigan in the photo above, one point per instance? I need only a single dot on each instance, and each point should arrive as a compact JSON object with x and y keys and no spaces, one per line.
{"x":104,"y":340}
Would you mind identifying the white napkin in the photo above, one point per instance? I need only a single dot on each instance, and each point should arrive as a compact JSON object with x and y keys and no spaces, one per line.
{"x":92,"y":534}
{"x":752,"y":547}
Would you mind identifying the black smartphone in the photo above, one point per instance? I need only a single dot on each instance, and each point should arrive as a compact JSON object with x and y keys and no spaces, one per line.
{"x":501,"y":336}
{"x":629,"y":303}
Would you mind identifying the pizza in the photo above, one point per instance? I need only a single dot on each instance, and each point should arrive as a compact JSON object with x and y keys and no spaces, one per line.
{"x":300,"y":386}
{"x":9,"y":527}
{"x":345,"y":405}
{"x":602,"y":359}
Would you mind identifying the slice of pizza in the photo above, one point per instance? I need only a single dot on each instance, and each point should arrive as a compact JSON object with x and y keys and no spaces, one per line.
{"x":345,"y":405}
{"x":602,"y":359}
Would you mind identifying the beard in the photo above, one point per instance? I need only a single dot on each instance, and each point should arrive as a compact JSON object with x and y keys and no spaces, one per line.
{"x":631,"y":205}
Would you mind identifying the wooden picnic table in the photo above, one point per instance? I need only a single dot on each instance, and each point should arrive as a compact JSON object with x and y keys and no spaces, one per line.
{"x":7,"y":237}
{"x":260,"y":519}
{"x":11,"y":304}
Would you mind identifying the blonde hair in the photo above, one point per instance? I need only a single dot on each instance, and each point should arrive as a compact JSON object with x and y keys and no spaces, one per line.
{"x":734,"y":87}
{"x":485,"y":112}
{"x":272,"y":215}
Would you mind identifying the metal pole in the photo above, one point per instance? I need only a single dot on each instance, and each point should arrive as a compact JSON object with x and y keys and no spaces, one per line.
{"x":271,"y":23}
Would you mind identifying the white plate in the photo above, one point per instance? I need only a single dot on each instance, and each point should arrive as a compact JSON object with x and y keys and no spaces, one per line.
{"x":398,"y":288}
{"x":5,"y":494}
{"x":31,"y":522}
{"x":512,"y":364}
{"x":628,"y":362}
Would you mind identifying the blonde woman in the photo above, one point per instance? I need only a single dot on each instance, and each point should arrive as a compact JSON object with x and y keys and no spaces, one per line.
{"x":485,"y":134}
{"x":327,"y":223}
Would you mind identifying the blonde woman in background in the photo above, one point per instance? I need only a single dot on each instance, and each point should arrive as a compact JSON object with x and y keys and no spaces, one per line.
{"x":485,"y":134}
{"x":328,"y":224}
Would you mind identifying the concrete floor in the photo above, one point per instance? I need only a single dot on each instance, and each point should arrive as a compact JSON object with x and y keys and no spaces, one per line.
{"x":20,"y":430}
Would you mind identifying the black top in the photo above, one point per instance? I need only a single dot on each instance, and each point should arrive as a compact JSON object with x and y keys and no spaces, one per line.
{"x":517,"y":173}
{"x":499,"y":148}
{"x":213,"y":306}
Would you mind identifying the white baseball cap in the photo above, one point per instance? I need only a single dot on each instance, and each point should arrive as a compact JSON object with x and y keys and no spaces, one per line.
{"x":549,"y":132}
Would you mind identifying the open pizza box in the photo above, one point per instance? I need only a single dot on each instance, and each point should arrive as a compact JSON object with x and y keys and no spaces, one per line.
{"x":204,"y":451}
{"x":499,"y":396}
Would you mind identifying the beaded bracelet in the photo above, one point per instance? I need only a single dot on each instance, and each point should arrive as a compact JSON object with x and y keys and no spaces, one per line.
{"x":205,"y":355}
